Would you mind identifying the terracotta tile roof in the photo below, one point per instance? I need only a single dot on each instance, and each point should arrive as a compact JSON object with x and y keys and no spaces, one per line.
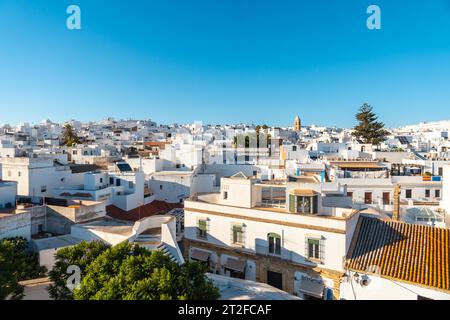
{"x":400,"y":251}
{"x":154,"y":207}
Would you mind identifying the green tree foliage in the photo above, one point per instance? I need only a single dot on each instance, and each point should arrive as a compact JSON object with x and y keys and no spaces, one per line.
{"x":69,"y":136}
{"x":81,"y":255}
{"x":128,"y":271}
{"x":17,"y":263}
{"x":25,"y":261}
{"x":9,"y":282}
{"x":369,"y":130}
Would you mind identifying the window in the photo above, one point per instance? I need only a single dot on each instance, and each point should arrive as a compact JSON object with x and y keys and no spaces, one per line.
{"x":313,"y":248}
{"x":437,"y":193}
{"x":294,"y":148}
{"x":350,"y":194}
{"x":101,"y":180}
{"x":386,"y":198}
{"x":274,"y":241}
{"x":19,"y":174}
{"x":202,"y":229}
{"x":117,"y":182}
{"x":111,"y":180}
{"x":130,"y":184}
{"x":408,"y":193}
{"x":307,"y":204}
{"x":43,"y":188}
{"x":160,"y":187}
{"x":367,"y":197}
{"x":427,"y":193}
{"x":225,"y":195}
{"x":440,"y":172}
{"x":237,"y":234}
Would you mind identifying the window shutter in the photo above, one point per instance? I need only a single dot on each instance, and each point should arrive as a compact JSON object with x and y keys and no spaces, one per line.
{"x":306,"y":248}
{"x":291,"y":203}
{"x":322,"y":250}
{"x":237,"y":234}
{"x":315,"y":243}
{"x":202,"y":225}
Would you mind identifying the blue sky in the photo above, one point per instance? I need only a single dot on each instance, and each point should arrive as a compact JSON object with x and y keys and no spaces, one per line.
{"x":224,"y":61}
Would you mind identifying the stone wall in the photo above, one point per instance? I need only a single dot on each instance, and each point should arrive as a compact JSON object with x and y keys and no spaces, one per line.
{"x":16,"y":225}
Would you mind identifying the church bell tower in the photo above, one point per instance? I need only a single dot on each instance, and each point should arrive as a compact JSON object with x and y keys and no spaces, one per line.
{"x":297,"y":123}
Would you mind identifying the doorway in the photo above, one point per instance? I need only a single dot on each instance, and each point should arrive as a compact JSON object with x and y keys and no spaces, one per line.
{"x":386,"y":198}
{"x":275,"y":279}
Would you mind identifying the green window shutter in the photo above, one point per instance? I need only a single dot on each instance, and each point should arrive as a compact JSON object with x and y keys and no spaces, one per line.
{"x":237,"y":233}
{"x":237,"y":228}
{"x":202,"y":225}
{"x":291,"y":203}
{"x":314,"y":248}
{"x":273,"y":235}
{"x":315,"y":206}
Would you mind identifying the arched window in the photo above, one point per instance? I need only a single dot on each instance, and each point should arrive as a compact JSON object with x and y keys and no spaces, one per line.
{"x":274,"y":241}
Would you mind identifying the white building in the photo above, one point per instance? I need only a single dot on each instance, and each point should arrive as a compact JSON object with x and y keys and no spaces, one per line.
{"x":293,"y":236}
{"x":38,"y":176}
{"x":175,"y":186}
{"x":121,"y":187}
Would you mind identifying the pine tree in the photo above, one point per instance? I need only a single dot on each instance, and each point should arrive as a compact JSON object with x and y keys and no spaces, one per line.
{"x":369,"y":130}
{"x":69,"y":136}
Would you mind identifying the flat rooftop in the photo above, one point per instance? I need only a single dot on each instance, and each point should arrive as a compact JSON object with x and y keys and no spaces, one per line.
{"x":56,"y":242}
{"x":172,"y":173}
{"x":108,"y":225}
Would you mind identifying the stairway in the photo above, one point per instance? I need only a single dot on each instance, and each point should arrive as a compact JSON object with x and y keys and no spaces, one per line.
{"x":166,"y":251}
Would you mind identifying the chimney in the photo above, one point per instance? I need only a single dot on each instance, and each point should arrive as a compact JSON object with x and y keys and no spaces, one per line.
{"x":396,"y":211}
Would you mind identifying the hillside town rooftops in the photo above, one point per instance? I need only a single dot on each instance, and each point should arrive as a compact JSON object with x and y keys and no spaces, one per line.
{"x":400,"y":251}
